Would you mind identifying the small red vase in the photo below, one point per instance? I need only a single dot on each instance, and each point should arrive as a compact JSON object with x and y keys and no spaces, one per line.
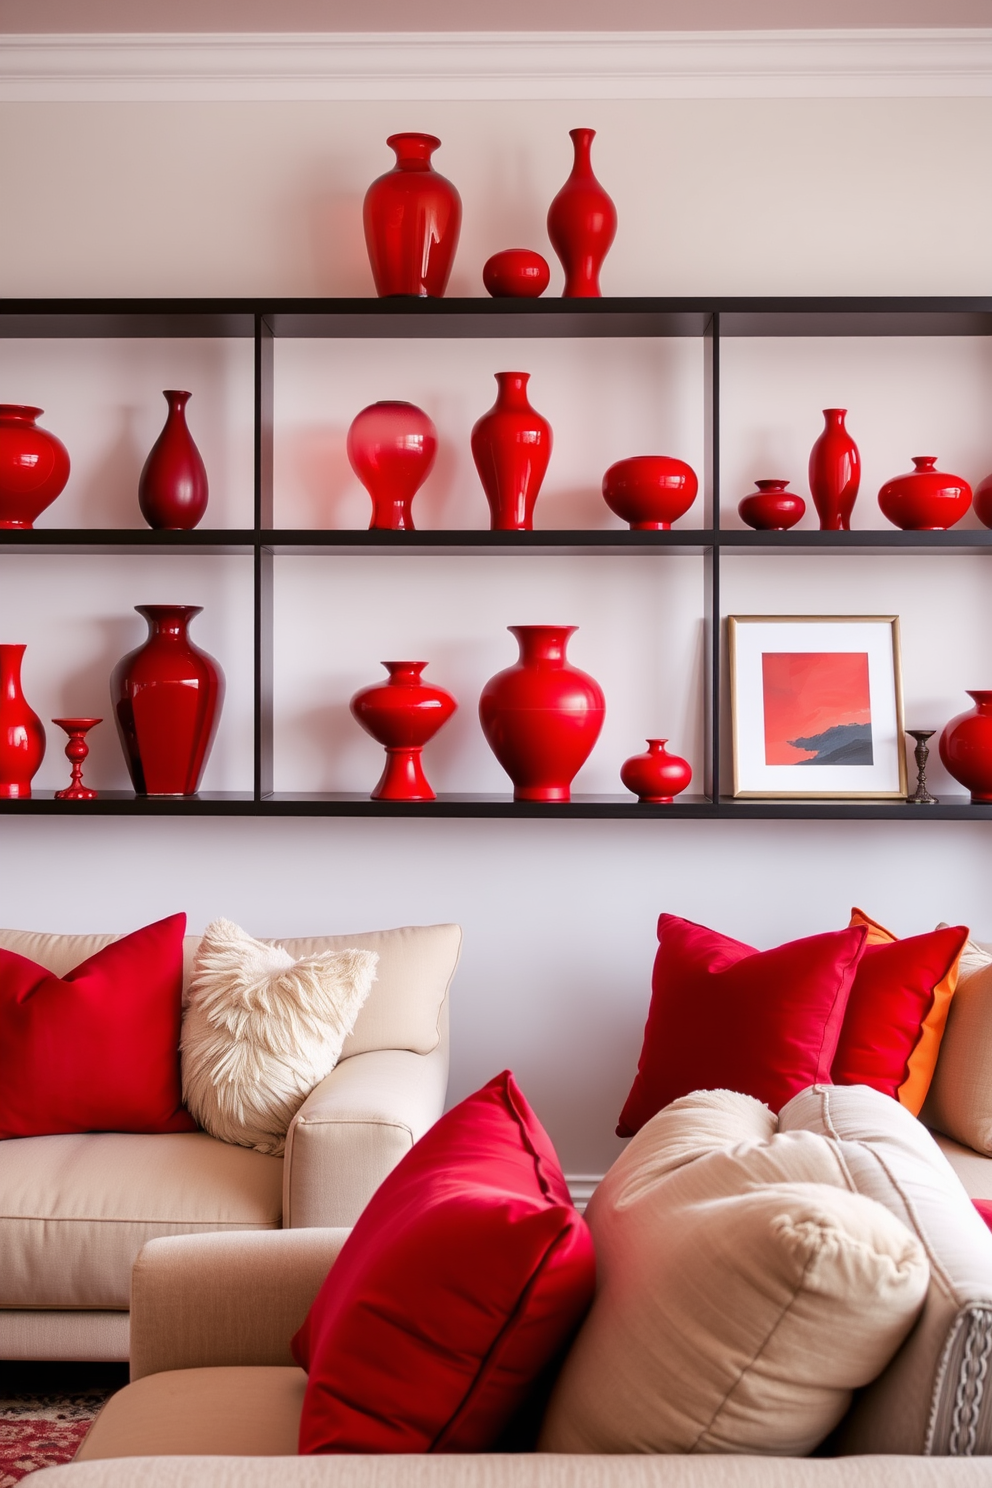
{"x":966,"y":747}
{"x":924,"y":500}
{"x":412,"y":219}
{"x":982,"y":501}
{"x":22,"y":733}
{"x":656,"y":776}
{"x":172,"y":487}
{"x":834,"y":473}
{"x":403,"y":714}
{"x":511,"y":446}
{"x":34,"y":465}
{"x":772,"y":508}
{"x":516,"y":271}
{"x":167,"y":697}
{"x":541,"y":716}
{"x":582,"y":223}
{"x":650,"y":491}
{"x":392,"y":447}
{"x":76,"y":751}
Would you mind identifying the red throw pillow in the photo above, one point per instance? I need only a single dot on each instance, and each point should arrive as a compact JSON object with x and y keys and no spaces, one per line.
{"x":97,"y":1050}
{"x":724,"y":1016}
{"x":464,"y":1277}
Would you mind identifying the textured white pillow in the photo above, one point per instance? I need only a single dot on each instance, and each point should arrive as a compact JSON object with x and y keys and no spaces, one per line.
{"x":261,"y":1029}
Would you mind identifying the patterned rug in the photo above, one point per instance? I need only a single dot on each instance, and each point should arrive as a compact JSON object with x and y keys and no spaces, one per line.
{"x":46,"y":1410}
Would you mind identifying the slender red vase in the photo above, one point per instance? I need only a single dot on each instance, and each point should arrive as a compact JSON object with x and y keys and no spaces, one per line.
{"x":656,"y":776}
{"x":511,"y":446}
{"x":167,"y":697}
{"x":403,"y":714}
{"x":34,"y":465}
{"x":925,"y":499}
{"x":966,"y":747}
{"x":541,"y":716}
{"x":22,"y":733}
{"x":392,"y":447}
{"x":172,"y":487}
{"x":771,"y":508}
{"x":650,"y":492}
{"x":412,"y":219}
{"x":834,"y":473}
{"x":582,"y":222}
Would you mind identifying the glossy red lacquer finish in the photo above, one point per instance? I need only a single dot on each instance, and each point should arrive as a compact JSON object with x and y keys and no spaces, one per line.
{"x":541,"y":716}
{"x":966,"y":747}
{"x":392,"y":447}
{"x":834,"y":473}
{"x":22,"y":733}
{"x":582,"y":222}
{"x":167,"y":697}
{"x":511,"y":446}
{"x":412,"y":218}
{"x":516,"y":271}
{"x":403,"y":714}
{"x":650,"y":491}
{"x":172,"y":487}
{"x":772,"y":508}
{"x":982,"y":501}
{"x":656,"y":776}
{"x":76,"y":752}
{"x":925,"y":499}
{"x":34,"y":465}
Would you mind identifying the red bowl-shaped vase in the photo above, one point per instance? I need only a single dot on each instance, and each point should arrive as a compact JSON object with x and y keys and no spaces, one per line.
{"x":34,"y":465}
{"x":392,"y":447}
{"x":772,"y":508}
{"x":22,"y":733}
{"x":582,"y":222}
{"x":656,"y":776}
{"x":511,"y":446}
{"x":412,"y":217}
{"x":925,"y":500}
{"x":650,"y":491}
{"x":834,"y":473}
{"x":403,"y":714}
{"x":966,"y":747}
{"x":172,"y":487}
{"x":516,"y":271}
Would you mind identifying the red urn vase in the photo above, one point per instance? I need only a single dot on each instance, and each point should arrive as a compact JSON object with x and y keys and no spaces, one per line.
{"x":834,"y":473}
{"x":22,"y":733}
{"x":403,"y":714}
{"x":34,"y":465}
{"x":650,"y":491}
{"x":582,"y":222}
{"x":656,"y":776}
{"x":771,"y":508}
{"x":167,"y":697}
{"x":516,"y":271}
{"x":412,"y":218}
{"x":966,"y":747}
{"x":541,"y":717}
{"x":982,"y":501}
{"x":925,"y":500}
{"x":172,"y":487}
{"x":392,"y":447}
{"x":511,"y":446}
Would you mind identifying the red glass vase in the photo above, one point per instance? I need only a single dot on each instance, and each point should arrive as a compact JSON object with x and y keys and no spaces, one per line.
{"x":542,"y":716}
{"x":582,"y":222}
{"x":656,"y":776}
{"x":172,"y":487}
{"x":511,"y":446}
{"x":403,"y":714}
{"x":22,"y":733}
{"x":834,"y":473}
{"x":392,"y":447}
{"x":167,"y":697}
{"x":34,"y":465}
{"x":966,"y":747}
{"x":925,"y":499}
{"x":412,"y":218}
{"x":650,"y":492}
{"x":516,"y":271}
{"x":982,"y":501}
{"x":771,"y":508}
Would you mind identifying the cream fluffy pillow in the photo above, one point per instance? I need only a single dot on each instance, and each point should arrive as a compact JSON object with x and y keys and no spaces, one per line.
{"x":261,"y":1029}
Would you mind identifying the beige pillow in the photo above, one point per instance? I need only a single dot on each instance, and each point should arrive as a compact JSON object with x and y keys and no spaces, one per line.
{"x":743,"y":1290}
{"x":959,"y":1102}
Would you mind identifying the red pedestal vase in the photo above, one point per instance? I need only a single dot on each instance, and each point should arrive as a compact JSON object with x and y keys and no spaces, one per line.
{"x":76,"y":751}
{"x":403,"y":714}
{"x":412,"y":218}
{"x":392,"y":446}
{"x":34,"y":465}
{"x":582,"y":222}
{"x":834,"y":473}
{"x":167,"y":697}
{"x":924,"y":500}
{"x":22,"y":733}
{"x":511,"y":446}
{"x":516,"y":271}
{"x":172,"y":487}
{"x":541,"y":717}
{"x":771,"y":508}
{"x":966,"y":747}
{"x":650,"y":491}
{"x":656,"y":775}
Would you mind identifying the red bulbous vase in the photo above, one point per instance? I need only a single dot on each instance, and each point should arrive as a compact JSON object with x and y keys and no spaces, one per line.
{"x":167,"y":697}
{"x":392,"y":447}
{"x":172,"y":487}
{"x":516,"y":271}
{"x":966,"y":747}
{"x":656,"y":776}
{"x":412,"y":218}
{"x":22,"y":733}
{"x":925,"y":499}
{"x":34,"y":465}
{"x":772,"y":508}
{"x":511,"y":446}
{"x":582,"y":222}
{"x":650,"y":492}
{"x":982,"y":501}
{"x":834,"y":473}
{"x":542,"y":716}
{"x":403,"y":714}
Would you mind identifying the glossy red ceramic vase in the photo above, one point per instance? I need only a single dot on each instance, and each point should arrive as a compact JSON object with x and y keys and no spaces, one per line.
{"x":22,"y":733}
{"x":982,"y":501}
{"x":172,"y":487}
{"x":392,"y":446}
{"x":541,"y":717}
{"x":771,"y":508}
{"x":966,"y":747}
{"x":834,"y":473}
{"x":650,"y":491}
{"x":167,"y":698}
{"x":582,"y":222}
{"x":412,"y":219}
{"x":511,"y":446}
{"x":516,"y":271}
{"x":34,"y":465}
{"x":656,"y":776}
{"x":924,"y":500}
{"x":403,"y":714}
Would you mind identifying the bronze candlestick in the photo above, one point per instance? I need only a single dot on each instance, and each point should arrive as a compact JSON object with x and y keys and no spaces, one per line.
{"x":921,"y":796}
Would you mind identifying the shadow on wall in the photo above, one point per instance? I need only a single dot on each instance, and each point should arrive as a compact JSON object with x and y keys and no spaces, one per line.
{"x":86,"y":693}
{"x":341,"y":264}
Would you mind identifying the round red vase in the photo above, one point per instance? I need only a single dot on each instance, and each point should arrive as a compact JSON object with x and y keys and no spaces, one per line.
{"x":172,"y":487}
{"x":22,"y":733}
{"x":403,"y":714}
{"x":167,"y":697}
{"x":966,"y":747}
{"x":516,"y":271}
{"x":834,"y":473}
{"x":650,"y":492}
{"x":541,"y":716}
{"x":511,"y":446}
{"x":982,"y":501}
{"x":924,"y":500}
{"x":34,"y":465}
{"x":412,"y":218}
{"x":656,"y":776}
{"x":772,"y":508}
{"x":392,"y":447}
{"x":582,"y":222}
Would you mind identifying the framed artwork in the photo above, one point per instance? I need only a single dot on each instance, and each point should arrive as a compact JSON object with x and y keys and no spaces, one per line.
{"x":816,"y":702}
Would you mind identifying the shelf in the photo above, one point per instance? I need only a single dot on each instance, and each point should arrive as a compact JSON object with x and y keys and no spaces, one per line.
{"x":876,"y":542}
{"x":682,"y":540}
{"x":126,"y":540}
{"x":126,"y":803}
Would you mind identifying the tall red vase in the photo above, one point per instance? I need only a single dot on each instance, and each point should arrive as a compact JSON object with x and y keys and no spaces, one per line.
{"x":172,"y":487}
{"x":34,"y":465}
{"x":412,"y":218}
{"x":22,"y":733}
{"x":834,"y":473}
{"x":167,"y":697}
{"x":511,"y":446}
{"x":542,"y":716}
{"x":966,"y":747}
{"x":582,"y":222}
{"x":391,"y":446}
{"x":403,"y":714}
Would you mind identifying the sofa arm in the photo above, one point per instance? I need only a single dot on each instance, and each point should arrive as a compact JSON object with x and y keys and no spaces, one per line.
{"x":354,"y":1128}
{"x":236,"y":1297}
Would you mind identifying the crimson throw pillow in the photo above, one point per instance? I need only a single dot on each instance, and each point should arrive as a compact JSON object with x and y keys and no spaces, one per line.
{"x":98,"y":1049}
{"x":463,"y":1279}
{"x":724,"y":1016}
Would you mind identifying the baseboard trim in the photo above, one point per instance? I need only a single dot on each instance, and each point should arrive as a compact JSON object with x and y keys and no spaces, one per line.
{"x":582,"y":1186}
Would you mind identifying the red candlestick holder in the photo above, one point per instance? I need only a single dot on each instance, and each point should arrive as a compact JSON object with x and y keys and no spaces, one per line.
{"x":76,"y":751}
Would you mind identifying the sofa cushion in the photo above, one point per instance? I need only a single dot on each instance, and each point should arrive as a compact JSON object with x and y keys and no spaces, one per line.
{"x":959,"y":1101}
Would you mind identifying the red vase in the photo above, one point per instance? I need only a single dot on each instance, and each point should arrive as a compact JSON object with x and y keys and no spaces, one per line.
{"x":76,"y":752}
{"x":22,"y":733}
{"x":34,"y":465}
{"x":650,"y":491}
{"x":541,"y":717}
{"x":167,"y":697}
{"x":834,"y":473}
{"x":403,"y":714}
{"x":982,"y":501}
{"x":656,"y":776}
{"x":966,"y":747}
{"x":511,"y":446}
{"x":516,"y":271}
{"x":392,"y":447}
{"x":582,"y":222}
{"x":772,"y":508}
{"x":412,"y":218}
{"x":172,"y":487}
{"x":924,"y":500}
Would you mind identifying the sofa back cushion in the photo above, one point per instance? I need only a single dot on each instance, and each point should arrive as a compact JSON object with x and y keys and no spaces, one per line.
{"x":959,"y":1102}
